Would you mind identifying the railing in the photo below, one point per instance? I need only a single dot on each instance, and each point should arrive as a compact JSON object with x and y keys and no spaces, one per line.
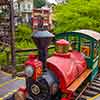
{"x":22,"y":54}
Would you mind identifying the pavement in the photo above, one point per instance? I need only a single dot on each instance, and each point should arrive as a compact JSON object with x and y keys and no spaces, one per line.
{"x":9,"y":85}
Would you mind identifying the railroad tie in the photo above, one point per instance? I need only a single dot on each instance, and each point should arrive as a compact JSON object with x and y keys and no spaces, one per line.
{"x":91,"y":90}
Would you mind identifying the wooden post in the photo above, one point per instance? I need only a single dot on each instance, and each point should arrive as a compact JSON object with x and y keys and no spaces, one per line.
{"x":12,"y":35}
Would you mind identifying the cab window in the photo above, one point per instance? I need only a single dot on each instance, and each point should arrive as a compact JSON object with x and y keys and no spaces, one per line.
{"x":73,"y":39}
{"x":85,"y":47}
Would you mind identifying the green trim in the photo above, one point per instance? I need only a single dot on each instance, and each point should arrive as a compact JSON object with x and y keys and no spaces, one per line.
{"x":93,"y":74}
{"x":79,"y":35}
{"x":92,"y":50}
{"x":96,"y":59}
{"x":79,"y":43}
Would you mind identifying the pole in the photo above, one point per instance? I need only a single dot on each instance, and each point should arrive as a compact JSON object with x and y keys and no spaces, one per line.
{"x":33,"y":4}
{"x":12,"y":35}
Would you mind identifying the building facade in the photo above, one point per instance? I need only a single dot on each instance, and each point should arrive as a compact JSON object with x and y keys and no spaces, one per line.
{"x":23,"y":8}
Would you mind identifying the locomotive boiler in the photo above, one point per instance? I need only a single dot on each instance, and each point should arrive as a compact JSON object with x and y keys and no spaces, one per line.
{"x":49,"y":78}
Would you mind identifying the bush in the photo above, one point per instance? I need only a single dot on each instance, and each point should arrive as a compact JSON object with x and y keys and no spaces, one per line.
{"x":24,"y":32}
{"x":3,"y":58}
{"x":25,"y":44}
{"x":24,"y":37}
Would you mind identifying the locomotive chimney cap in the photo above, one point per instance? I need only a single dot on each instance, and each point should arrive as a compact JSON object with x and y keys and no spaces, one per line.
{"x":42,"y":40}
{"x":43,"y":34}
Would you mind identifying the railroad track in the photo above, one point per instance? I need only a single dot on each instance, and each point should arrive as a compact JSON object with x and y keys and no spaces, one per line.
{"x":92,"y":89}
{"x":8,"y":86}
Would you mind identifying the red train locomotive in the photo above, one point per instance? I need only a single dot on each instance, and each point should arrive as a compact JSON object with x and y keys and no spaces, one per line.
{"x":50,"y":79}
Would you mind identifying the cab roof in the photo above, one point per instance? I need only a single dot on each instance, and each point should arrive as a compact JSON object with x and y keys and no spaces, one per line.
{"x":93,"y":34}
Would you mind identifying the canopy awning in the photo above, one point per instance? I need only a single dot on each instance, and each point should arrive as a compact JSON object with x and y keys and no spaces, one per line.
{"x":3,"y":2}
{"x":90,"y":33}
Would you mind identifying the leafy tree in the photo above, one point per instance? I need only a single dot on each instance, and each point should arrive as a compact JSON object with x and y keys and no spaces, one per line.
{"x":24,"y":36}
{"x":39,"y":3}
{"x":77,"y":14}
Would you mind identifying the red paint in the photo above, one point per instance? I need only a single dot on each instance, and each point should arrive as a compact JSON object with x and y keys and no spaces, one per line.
{"x":32,"y":56}
{"x":62,"y":55}
{"x":68,"y":68}
{"x":64,"y":99}
{"x":23,"y":90}
{"x":62,"y":42}
{"x":36,"y":65}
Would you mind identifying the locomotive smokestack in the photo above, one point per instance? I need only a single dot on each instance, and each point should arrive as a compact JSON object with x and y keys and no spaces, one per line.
{"x":42,"y":40}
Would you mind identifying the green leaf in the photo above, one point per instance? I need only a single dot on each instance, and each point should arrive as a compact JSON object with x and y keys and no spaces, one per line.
{"x":77,"y":14}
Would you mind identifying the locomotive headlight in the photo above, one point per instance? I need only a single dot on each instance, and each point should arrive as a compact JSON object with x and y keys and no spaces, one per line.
{"x":29,"y":71}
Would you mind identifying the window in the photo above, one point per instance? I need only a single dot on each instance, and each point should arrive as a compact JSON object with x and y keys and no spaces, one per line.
{"x":23,"y":7}
{"x":85,"y":46}
{"x":29,"y":6}
{"x":74,"y":40}
{"x":16,"y":6}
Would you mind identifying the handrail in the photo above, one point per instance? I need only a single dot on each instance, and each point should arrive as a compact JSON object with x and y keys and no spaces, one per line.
{"x":30,"y":49}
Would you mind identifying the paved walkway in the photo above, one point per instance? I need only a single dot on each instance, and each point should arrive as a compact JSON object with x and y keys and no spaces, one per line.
{"x":8,"y":85}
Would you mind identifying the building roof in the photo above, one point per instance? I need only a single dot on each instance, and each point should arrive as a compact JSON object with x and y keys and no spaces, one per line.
{"x":3,"y":2}
{"x":93,"y":34}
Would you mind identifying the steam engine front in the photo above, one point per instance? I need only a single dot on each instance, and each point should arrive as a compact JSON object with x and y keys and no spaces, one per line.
{"x":61,"y":69}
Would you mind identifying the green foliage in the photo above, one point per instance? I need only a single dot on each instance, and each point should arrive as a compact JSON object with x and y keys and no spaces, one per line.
{"x":77,"y":14}
{"x":2,"y":58}
{"x":39,"y":3}
{"x":25,"y":44}
{"x":24,"y":32}
{"x":23,"y":41}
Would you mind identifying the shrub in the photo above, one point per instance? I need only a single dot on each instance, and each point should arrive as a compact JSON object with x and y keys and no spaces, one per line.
{"x":23,"y":32}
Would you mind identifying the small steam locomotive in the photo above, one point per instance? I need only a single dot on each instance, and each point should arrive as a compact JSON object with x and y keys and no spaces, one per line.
{"x":50,"y":78}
